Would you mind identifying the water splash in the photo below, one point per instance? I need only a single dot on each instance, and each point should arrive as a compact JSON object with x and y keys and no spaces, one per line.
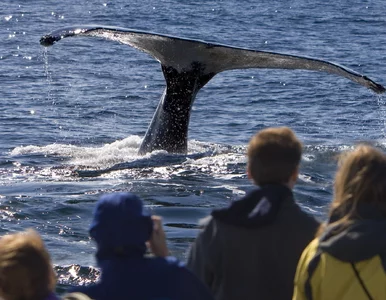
{"x":382,"y":114}
{"x":48,"y":76}
{"x":104,"y":156}
{"x":76,"y":275}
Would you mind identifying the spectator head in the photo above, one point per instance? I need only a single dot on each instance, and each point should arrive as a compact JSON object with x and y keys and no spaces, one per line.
{"x":361,"y":178}
{"x":274,"y":156}
{"x":121,"y":226}
{"x":25,"y":267}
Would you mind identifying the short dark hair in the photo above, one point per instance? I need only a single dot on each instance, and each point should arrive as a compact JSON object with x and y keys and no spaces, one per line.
{"x":273,"y":155}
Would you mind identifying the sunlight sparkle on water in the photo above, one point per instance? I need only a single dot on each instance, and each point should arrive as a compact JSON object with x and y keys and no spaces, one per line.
{"x":382,"y":113}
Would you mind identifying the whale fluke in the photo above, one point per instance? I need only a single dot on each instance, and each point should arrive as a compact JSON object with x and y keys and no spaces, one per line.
{"x":187,"y":66}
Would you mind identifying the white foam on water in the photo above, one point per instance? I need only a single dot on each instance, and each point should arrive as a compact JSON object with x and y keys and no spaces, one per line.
{"x":220,"y":161}
{"x":382,"y":114}
{"x":308,"y":157}
{"x":105,"y":156}
{"x":382,"y":142}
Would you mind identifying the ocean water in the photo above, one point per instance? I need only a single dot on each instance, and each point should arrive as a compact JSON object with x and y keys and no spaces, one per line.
{"x":86,"y":103}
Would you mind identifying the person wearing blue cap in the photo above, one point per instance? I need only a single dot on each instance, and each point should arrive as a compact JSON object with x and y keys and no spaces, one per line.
{"x":122,"y":229}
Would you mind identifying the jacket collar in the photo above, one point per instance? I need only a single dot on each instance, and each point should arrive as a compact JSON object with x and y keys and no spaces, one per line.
{"x":258,"y":208}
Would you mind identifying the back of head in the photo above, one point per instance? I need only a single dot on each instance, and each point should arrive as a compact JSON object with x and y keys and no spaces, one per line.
{"x":120,"y":226}
{"x":25,"y":267}
{"x":361,"y":178}
{"x":274,"y":155}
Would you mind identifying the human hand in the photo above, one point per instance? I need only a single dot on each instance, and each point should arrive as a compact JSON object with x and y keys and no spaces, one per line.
{"x":157,"y":241}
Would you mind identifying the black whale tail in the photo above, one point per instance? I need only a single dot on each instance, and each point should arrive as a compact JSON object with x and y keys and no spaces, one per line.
{"x":187,"y":66}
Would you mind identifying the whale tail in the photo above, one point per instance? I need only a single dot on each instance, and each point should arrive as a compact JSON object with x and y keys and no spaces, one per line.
{"x":181,"y":54}
{"x":187,"y":66}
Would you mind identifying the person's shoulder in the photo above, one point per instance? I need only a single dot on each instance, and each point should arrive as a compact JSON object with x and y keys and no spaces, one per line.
{"x":301,"y":215}
{"x":187,"y":285}
{"x":179,"y":269}
{"x":309,"y":219}
{"x":307,"y":222}
{"x":310,"y":251}
{"x":174,"y":264}
{"x":86,"y":290}
{"x":174,"y":261}
{"x":174,"y":268}
{"x":210,"y":225}
{"x":298,"y":219}
{"x":168,"y":262}
{"x":204,"y":222}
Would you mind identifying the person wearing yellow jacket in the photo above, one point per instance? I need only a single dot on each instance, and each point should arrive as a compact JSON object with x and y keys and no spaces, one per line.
{"x":347,"y":259}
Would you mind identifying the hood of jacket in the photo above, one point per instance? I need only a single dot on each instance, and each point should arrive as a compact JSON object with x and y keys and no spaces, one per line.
{"x":363,"y":238}
{"x":120,"y":226}
{"x":258,"y":208}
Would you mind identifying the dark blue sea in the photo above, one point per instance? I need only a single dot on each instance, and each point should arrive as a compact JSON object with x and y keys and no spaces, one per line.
{"x":85,"y":104}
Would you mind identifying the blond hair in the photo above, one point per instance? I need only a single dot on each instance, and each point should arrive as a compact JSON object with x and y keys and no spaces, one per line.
{"x":25,"y":267}
{"x":274,"y":155}
{"x":361,"y":178}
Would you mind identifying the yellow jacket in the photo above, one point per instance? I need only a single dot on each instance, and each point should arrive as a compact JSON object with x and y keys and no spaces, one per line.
{"x":327,"y":268}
